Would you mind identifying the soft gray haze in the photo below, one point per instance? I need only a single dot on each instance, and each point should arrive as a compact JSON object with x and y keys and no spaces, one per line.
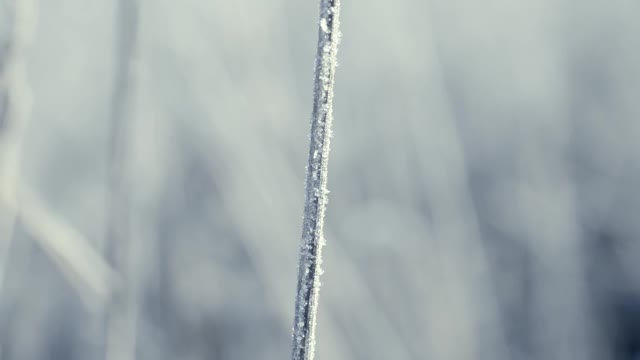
{"x":484,"y":179}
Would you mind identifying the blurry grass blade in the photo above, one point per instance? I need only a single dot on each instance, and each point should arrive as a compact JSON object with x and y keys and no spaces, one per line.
{"x":84,"y":267}
{"x":15,"y":110}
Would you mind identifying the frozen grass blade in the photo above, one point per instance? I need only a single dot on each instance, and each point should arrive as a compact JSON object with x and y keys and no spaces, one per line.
{"x":316,"y":184}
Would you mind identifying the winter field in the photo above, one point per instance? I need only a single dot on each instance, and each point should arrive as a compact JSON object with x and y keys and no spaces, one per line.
{"x":484,"y":179}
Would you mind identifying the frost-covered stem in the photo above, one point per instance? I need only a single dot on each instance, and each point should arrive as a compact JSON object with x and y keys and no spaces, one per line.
{"x":15,"y":109}
{"x":316,"y":183}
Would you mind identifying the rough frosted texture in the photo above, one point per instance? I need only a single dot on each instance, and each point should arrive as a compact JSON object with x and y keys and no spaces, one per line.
{"x":316,"y":183}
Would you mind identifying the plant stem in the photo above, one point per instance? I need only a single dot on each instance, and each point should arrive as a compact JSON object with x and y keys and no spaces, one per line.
{"x":316,"y":184}
{"x":122,"y":311}
{"x":15,"y":111}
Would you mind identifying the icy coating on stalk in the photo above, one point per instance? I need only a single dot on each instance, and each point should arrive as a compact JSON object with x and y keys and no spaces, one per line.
{"x":316,"y":184}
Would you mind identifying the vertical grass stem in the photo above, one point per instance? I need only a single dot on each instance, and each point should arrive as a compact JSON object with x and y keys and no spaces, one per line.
{"x":312,"y":240}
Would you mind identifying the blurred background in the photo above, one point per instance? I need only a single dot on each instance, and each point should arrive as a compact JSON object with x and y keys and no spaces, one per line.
{"x":484,"y":179}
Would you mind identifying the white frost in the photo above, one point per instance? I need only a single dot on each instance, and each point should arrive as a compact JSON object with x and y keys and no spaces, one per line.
{"x":323,"y":25}
{"x":316,"y":186}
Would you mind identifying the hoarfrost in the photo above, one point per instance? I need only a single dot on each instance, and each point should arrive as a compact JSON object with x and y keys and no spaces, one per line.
{"x":323,"y":25}
{"x":316,"y":184}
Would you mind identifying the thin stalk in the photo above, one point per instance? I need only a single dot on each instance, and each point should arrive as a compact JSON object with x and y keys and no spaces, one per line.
{"x":122,"y":311}
{"x":79,"y":262}
{"x":15,"y":110}
{"x":316,"y":184}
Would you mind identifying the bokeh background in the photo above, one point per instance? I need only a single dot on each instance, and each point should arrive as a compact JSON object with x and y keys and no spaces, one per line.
{"x":484,"y":179}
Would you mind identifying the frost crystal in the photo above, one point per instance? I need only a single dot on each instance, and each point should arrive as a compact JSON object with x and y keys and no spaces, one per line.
{"x":323,"y":25}
{"x":316,"y":184}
